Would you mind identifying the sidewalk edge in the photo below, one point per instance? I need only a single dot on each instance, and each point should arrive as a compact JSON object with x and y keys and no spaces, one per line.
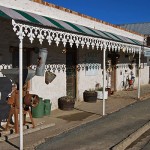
{"x":65,"y":131}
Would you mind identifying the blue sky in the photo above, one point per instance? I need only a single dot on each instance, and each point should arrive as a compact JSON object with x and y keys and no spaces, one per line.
{"x":112,"y":11}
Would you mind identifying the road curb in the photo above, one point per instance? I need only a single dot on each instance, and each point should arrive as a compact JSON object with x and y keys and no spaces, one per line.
{"x":132,"y":137}
{"x":27,"y":131}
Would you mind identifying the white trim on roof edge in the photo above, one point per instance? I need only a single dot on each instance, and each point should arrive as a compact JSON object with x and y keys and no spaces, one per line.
{"x":50,"y":35}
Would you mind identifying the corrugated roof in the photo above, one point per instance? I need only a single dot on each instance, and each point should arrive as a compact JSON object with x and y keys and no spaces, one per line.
{"x":62,"y":25}
{"x":142,"y":28}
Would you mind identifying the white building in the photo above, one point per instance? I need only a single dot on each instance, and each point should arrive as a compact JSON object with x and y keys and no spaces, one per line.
{"x":75,"y":45}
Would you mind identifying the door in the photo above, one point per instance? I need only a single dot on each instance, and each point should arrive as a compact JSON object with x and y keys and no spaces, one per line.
{"x":71,"y":56}
{"x":114,"y":60}
{"x":113,"y":79}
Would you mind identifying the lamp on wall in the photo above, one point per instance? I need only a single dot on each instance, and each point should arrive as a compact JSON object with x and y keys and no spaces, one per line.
{"x":123,"y":49}
{"x":64,"y":51}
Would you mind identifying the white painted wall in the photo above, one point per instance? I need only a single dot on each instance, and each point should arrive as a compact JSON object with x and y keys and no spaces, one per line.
{"x":51,"y":91}
{"x":62,"y":15}
{"x":123,"y":71}
{"x":88,"y":80}
{"x":145,"y":75}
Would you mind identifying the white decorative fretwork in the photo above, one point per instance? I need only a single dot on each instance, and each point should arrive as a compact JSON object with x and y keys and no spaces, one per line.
{"x":50,"y":35}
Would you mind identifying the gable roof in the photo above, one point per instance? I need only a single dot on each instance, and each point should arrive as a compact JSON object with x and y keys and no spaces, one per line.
{"x":142,"y":28}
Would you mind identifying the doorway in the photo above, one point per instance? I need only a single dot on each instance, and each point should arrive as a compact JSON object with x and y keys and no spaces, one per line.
{"x":114,"y":57}
{"x":71,"y":59}
{"x":113,"y":79}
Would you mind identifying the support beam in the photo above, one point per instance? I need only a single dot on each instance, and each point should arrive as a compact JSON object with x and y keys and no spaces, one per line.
{"x":139,"y":71}
{"x":20,"y":89}
{"x":104,"y":76}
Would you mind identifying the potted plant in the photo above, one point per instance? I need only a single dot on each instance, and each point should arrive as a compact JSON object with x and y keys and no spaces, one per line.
{"x":109,"y":90}
{"x":100,"y":93}
{"x":66,"y":103}
{"x":90,"y":95}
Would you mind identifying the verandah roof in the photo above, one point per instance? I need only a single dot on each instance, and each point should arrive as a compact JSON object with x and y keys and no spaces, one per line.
{"x":63,"y":25}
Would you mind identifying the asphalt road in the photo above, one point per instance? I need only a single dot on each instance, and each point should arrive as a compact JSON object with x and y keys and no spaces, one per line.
{"x":103,"y":133}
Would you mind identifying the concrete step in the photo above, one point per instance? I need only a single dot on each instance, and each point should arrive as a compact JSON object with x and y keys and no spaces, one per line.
{"x":27,"y":129}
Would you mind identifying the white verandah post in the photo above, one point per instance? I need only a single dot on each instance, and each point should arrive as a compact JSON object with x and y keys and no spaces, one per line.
{"x":139,"y":74}
{"x":20,"y":89}
{"x":104,"y":75}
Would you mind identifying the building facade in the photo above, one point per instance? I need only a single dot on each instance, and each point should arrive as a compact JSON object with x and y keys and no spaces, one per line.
{"x":76,"y":45}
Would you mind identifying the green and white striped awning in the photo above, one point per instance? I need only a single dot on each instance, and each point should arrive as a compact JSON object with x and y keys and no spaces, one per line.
{"x":62,"y":25}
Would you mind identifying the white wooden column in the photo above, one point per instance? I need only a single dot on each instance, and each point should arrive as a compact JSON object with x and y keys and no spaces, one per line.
{"x":21,"y":88}
{"x":104,"y":76}
{"x":139,"y":71}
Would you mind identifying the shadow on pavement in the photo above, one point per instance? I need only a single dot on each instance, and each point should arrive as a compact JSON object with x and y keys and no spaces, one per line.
{"x":6,"y":140}
{"x":76,"y":117}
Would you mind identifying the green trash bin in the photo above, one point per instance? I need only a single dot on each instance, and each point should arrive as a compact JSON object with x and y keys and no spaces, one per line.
{"x":38,"y":111}
{"x":47,"y":107}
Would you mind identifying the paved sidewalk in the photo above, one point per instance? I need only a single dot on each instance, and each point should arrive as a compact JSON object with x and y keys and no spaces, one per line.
{"x":114,"y":131}
{"x":60,"y":121}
